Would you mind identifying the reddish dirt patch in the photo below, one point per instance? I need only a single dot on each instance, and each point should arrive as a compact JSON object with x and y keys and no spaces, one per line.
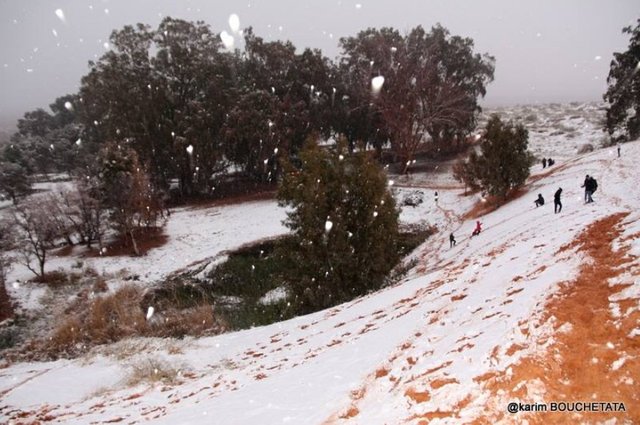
{"x":458,"y":297}
{"x":261,"y":192}
{"x":6,"y":309}
{"x":352,"y":412}
{"x":427,"y":417}
{"x":417,"y":396}
{"x":381,"y":372}
{"x":439,"y":383}
{"x":578,"y":364}
{"x":513,"y":349}
{"x":515,"y":291}
{"x":492,"y":203}
{"x":133,"y":396}
{"x":146,"y":240}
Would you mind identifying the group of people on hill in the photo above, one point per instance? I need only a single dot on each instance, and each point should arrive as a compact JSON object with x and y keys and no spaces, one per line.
{"x":557,"y":201}
{"x":590,"y":185}
{"x":476,"y":232}
{"x":547,"y":162}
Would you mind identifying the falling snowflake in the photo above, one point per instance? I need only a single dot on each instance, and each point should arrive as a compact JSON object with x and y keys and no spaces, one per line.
{"x":190,"y":149}
{"x":234,"y":22}
{"x":328,"y":225}
{"x":150,"y":312}
{"x":227,"y":40}
{"x":60,"y":15}
{"x":68,"y":105}
{"x":376,"y":84}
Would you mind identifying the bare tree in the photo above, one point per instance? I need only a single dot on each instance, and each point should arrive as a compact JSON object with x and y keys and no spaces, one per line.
{"x":84,"y":212}
{"x":38,"y":234}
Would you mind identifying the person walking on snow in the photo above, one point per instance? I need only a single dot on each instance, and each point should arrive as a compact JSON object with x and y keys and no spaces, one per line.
{"x":477,"y":230}
{"x":452,"y":241}
{"x":544,"y":163}
{"x":540,"y":201}
{"x":557,"y":204}
{"x":587,"y":192}
{"x":593,"y":185}
{"x":436,"y":197}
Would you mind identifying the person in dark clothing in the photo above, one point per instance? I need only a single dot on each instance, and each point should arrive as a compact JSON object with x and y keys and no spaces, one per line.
{"x":618,"y":150}
{"x":587,"y":192}
{"x":590,"y":185}
{"x":452,"y":241}
{"x":593,"y":185}
{"x":544,"y":162}
{"x":550,"y":162}
{"x":557,"y":204}
{"x":540,"y":201}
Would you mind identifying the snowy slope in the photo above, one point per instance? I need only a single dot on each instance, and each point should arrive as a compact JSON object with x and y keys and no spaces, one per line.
{"x":407,"y":354}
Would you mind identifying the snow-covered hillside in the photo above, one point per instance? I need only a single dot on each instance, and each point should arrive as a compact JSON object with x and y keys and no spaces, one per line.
{"x":469,"y":330}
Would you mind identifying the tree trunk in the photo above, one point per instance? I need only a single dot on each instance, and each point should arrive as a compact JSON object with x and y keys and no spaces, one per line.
{"x":134,"y":243}
{"x":41,"y":260}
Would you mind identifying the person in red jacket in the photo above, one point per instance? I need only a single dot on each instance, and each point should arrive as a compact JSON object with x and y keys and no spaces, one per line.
{"x":477,"y":230}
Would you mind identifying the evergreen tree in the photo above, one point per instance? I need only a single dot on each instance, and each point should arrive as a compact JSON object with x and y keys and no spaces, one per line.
{"x":14,"y":181}
{"x":623,"y":94}
{"x":345,"y":222}
{"x":504,"y":160}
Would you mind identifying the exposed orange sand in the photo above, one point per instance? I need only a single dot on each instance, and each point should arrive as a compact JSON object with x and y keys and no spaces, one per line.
{"x":578,"y":364}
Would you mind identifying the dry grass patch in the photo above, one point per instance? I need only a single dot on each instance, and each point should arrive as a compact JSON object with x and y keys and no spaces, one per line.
{"x":152,"y":371}
{"x":114,"y":317}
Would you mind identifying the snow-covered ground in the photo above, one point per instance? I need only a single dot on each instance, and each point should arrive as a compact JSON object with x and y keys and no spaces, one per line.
{"x":412,"y":353}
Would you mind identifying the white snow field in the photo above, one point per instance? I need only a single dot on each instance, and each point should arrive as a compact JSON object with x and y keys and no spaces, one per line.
{"x":412,"y":353}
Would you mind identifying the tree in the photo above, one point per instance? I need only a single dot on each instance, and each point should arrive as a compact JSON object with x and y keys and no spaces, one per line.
{"x":127,"y":192}
{"x":250,"y":137}
{"x":623,"y":92}
{"x":432,"y":82}
{"x":38,"y":234}
{"x":164,"y":93}
{"x":504,"y":160}
{"x":7,"y":245}
{"x":85,"y":212}
{"x":345,"y":223}
{"x":197,"y":81}
{"x":14,"y":181}
{"x":367,"y":55}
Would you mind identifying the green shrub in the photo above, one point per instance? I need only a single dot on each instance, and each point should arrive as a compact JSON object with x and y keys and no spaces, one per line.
{"x":345,"y":225}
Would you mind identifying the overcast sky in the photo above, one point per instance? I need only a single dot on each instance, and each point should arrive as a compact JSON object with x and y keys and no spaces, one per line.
{"x":545,"y":50}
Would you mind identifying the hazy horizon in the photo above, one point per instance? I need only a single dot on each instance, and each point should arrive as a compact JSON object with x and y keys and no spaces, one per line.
{"x":546,"y":52}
